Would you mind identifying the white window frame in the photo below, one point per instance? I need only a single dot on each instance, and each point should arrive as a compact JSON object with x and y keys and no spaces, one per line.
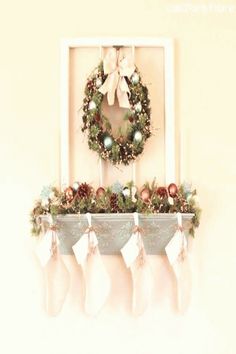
{"x":168,"y":46}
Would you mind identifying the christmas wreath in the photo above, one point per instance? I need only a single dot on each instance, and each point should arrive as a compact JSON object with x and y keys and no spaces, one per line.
{"x":116,"y":75}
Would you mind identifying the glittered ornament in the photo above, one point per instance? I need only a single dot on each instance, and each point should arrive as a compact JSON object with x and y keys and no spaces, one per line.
{"x":45,"y":193}
{"x":161,"y":192}
{"x":135,"y":78}
{"x":100,"y":192}
{"x":117,"y":187}
{"x":138,"y":136}
{"x":172,"y":190}
{"x":92,"y":105}
{"x":108,"y":142}
{"x":138,"y":107}
{"x":69,"y":193}
{"x":114,"y":202}
{"x":145,"y":194}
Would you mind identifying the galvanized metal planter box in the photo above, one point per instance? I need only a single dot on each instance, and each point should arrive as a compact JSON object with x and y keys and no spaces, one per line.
{"x":114,"y":230}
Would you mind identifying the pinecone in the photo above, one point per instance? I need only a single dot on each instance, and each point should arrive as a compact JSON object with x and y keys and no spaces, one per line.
{"x":84,"y":190}
{"x":114,"y":203}
{"x":90,"y":84}
{"x":162,"y":192}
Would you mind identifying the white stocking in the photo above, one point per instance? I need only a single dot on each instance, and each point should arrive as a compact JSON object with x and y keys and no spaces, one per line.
{"x":176,"y":251}
{"x":97,"y":281}
{"x":136,"y":259}
{"x":56,"y":274}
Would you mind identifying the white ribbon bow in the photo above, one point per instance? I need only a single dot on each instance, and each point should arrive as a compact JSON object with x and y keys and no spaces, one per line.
{"x":117,"y":67}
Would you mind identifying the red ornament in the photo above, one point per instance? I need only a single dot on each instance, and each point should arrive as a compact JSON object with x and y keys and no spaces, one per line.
{"x":97,"y":118}
{"x":100,"y":192}
{"x":145,"y":194}
{"x":69,"y":193}
{"x":131,"y":119}
{"x":162,"y":192}
{"x":172,"y":190}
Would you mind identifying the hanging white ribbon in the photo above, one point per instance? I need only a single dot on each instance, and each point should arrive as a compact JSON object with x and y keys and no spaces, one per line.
{"x":97,"y":282}
{"x":131,"y":250}
{"x":117,"y":66}
{"x":135,"y":258}
{"x":176,"y":251}
{"x":48,"y":244}
{"x":57,"y":278}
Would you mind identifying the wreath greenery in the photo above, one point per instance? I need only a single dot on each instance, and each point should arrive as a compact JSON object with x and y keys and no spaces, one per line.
{"x":127,"y":146}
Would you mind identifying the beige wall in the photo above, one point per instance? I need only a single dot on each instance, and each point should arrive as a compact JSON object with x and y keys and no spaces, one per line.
{"x":30,"y":33}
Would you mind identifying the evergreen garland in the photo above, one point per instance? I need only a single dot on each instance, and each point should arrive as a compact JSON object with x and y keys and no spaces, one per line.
{"x":126,"y":199}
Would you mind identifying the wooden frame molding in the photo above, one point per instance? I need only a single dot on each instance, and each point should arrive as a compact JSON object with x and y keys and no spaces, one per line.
{"x":168,"y":46}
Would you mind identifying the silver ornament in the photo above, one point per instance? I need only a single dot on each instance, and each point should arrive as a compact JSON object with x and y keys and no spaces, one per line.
{"x":138,"y":107}
{"x":98,"y":82}
{"x":135,"y":78}
{"x":108,"y":142}
{"x":75,"y":185}
{"x":138,"y":136}
{"x":92,"y":105}
{"x":126,"y":192}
